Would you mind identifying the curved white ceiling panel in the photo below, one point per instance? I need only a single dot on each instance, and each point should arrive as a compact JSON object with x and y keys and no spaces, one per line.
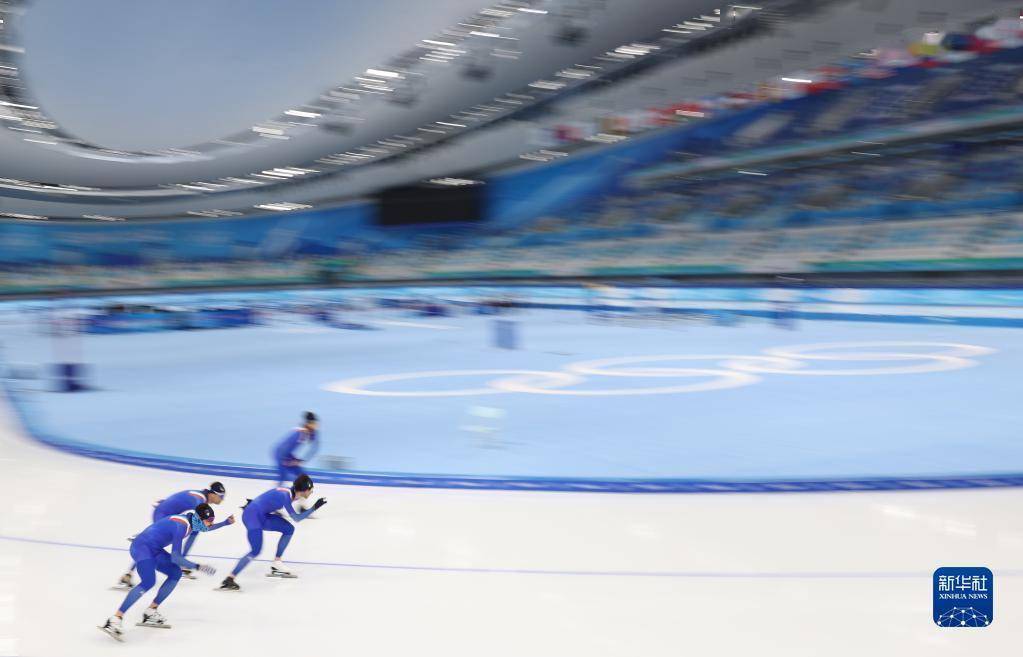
{"x":137,"y":76}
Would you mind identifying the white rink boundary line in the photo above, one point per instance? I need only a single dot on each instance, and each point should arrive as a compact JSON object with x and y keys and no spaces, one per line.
{"x":435,"y":327}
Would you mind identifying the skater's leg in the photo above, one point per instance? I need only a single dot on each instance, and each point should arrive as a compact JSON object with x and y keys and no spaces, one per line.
{"x":173,"y":573}
{"x":126,"y":578}
{"x":255,"y":536}
{"x":282,"y":545}
{"x":286,"y":529}
{"x":288,"y":473}
{"x":147,"y":571}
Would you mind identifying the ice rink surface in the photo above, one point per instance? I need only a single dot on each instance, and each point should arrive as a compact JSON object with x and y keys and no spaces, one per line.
{"x":386,"y":571}
{"x":577,"y":399}
{"x":391,"y":571}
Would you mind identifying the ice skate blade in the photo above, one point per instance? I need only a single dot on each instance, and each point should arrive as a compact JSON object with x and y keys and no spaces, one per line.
{"x":110,"y":633}
{"x":281,"y":576}
{"x":150,"y":625}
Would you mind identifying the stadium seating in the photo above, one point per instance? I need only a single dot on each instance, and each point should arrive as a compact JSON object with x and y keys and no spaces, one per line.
{"x":941,"y":198}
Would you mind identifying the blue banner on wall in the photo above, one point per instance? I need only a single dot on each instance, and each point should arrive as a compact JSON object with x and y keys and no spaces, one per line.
{"x":326,"y":232}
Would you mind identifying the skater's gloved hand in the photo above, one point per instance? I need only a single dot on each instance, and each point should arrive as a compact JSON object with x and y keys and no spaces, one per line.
{"x":206,"y":570}
{"x":320,"y":502}
{"x":230,"y":519}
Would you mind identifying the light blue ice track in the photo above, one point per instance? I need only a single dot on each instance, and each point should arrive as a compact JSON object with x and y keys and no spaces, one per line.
{"x":214,"y":402}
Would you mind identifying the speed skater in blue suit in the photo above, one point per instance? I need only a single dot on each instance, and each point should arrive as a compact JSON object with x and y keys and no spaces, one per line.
{"x":262,"y":514}
{"x":289,"y":464}
{"x":148,"y":551}
{"x":179,"y":503}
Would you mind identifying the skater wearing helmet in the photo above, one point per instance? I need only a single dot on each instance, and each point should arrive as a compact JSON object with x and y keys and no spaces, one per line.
{"x":261,"y":514}
{"x":179,"y":503}
{"x":147,"y":549}
{"x":289,"y":465}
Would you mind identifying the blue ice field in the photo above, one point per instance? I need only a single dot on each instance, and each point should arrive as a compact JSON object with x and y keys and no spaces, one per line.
{"x":872,"y":400}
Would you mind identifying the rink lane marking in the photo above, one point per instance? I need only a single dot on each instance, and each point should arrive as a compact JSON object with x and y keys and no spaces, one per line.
{"x":436,"y":327}
{"x":539,"y":571}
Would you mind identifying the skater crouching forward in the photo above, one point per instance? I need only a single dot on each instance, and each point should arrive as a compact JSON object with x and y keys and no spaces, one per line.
{"x":289,"y":465}
{"x":177,"y":504}
{"x":147,"y":549}
{"x":261,"y":515}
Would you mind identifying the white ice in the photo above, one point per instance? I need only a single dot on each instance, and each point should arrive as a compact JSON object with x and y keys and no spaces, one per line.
{"x":565,"y":574}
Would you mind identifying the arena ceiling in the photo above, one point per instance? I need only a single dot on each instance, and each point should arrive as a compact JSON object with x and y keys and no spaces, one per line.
{"x":144,"y":76}
{"x":138,"y":81}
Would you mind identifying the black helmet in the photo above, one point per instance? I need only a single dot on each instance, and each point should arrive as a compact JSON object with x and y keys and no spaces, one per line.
{"x":309,"y":416}
{"x":218,"y":488}
{"x":204,"y":511}
{"x":302,"y":484}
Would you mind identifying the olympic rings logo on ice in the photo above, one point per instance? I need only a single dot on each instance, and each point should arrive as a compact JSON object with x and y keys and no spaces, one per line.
{"x":730,"y":371}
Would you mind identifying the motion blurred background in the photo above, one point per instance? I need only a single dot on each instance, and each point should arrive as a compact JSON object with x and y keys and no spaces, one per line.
{"x":496,"y":246}
{"x":183,"y":147}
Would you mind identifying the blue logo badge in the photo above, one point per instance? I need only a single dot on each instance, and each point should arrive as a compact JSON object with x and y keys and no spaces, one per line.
{"x":964,"y":597}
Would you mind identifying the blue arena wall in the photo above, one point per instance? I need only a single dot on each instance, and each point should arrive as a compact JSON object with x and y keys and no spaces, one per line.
{"x":981,"y":307}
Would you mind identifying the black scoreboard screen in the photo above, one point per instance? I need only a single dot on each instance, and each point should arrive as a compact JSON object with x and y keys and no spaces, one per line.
{"x":430,"y":203}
